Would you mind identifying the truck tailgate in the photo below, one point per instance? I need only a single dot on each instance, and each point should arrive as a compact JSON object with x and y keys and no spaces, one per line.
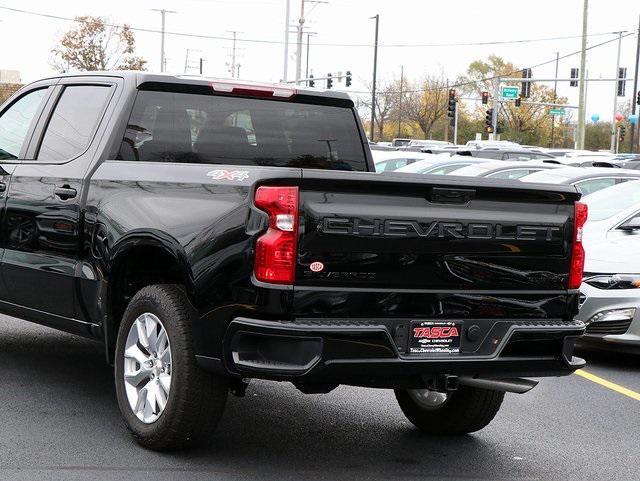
{"x":429,"y":232}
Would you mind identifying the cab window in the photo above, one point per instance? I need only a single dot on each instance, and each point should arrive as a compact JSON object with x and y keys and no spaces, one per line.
{"x":15,"y":123}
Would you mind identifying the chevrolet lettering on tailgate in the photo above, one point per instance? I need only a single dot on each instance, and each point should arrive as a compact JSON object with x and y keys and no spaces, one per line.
{"x":438,"y":229}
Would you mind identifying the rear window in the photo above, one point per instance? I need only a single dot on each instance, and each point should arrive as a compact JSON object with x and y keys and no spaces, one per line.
{"x":471,"y":170}
{"x":210,"y":129}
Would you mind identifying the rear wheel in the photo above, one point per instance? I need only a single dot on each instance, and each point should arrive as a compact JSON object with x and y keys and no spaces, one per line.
{"x":465,"y":410}
{"x":167,"y":401}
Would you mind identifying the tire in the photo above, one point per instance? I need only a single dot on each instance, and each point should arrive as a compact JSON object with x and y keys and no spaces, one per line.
{"x":466,"y":410}
{"x":193,"y":399}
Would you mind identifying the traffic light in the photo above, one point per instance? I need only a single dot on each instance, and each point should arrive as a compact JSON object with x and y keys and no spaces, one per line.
{"x":348,"y":79}
{"x":329,"y":81}
{"x":622,"y":74}
{"x":488,"y":122}
{"x":518,"y":102}
{"x":638,"y":99}
{"x":621,"y":132}
{"x":574,"y":75}
{"x":451,"y":109}
{"x":312,"y":83}
{"x":485,"y":97}
{"x":526,"y":86}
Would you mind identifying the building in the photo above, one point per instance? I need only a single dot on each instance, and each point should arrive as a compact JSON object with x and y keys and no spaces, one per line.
{"x":9,"y":82}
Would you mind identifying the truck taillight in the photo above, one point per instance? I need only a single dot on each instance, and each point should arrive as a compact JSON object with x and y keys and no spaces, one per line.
{"x":276,"y":249}
{"x":577,"y":251}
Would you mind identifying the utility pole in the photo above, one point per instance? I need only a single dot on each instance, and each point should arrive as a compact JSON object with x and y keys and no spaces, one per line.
{"x":307,"y":61}
{"x":555,"y":96}
{"x":286,"y":41}
{"x":400,"y":99}
{"x":455,"y":126}
{"x":496,"y":107}
{"x":299,"y":42}
{"x":375,"y":74}
{"x":614,"y":132}
{"x":163,"y":14}
{"x":233,"y":67}
{"x":201,"y":61}
{"x":582,"y":84}
{"x":635,"y":92}
{"x":446,"y":125}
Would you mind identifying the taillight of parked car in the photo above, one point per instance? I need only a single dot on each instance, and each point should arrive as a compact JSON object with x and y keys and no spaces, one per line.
{"x":276,"y":249}
{"x":577,"y":251}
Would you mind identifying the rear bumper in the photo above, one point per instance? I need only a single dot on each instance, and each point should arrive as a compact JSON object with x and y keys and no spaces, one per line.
{"x":375,"y":352}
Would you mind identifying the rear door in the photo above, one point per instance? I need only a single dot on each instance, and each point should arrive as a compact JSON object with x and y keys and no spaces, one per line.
{"x":44,"y":202}
{"x":387,"y":233}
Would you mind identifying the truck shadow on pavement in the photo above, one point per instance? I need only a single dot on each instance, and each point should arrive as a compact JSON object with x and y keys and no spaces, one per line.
{"x":620,"y":361}
{"x":59,"y":409}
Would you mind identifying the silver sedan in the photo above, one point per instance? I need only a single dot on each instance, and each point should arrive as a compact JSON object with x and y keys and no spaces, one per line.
{"x":610,"y":292}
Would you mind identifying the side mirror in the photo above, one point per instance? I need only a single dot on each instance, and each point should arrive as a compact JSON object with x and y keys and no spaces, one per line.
{"x":632,"y":224}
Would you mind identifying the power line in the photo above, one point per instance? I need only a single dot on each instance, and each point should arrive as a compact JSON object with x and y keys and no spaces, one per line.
{"x":508,"y":74}
{"x":280,"y":42}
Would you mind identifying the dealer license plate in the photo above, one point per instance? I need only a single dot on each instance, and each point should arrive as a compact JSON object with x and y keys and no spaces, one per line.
{"x":429,"y":337}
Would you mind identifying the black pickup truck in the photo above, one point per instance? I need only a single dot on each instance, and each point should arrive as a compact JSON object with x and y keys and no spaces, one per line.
{"x":210,"y":232}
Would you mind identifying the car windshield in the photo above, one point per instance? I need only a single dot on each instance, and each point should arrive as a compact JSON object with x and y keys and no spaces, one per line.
{"x":547,"y":177}
{"x":471,"y":170}
{"x":424,"y":164}
{"x":606,"y":203}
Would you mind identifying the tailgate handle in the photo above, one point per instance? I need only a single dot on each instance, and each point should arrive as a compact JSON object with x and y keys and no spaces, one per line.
{"x":442,"y":195}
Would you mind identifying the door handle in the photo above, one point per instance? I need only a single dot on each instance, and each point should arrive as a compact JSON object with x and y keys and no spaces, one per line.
{"x":65,"y":192}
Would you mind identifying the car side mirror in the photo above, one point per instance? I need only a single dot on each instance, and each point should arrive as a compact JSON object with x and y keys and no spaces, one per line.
{"x":632,"y":224}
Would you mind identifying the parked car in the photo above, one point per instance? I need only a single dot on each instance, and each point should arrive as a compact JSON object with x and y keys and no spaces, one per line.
{"x":494,"y":144}
{"x":588,"y":180}
{"x":510,"y":154}
{"x":390,"y":161}
{"x":209,"y":232}
{"x":400,"y":142}
{"x":610,"y":292}
{"x":440,"y":164}
{"x":421,"y":145}
{"x":504,"y":169}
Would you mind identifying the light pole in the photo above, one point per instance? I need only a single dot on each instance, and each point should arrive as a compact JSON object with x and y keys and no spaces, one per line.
{"x":555,"y":97}
{"x":400,"y":99}
{"x":163,"y":13}
{"x":582,"y":84}
{"x":635,"y":92}
{"x":614,"y":130}
{"x":286,"y":41}
{"x":375,"y":73}
{"x":299,"y":42}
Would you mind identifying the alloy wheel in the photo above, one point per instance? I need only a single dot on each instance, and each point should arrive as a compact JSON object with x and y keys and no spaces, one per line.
{"x":147,"y":368}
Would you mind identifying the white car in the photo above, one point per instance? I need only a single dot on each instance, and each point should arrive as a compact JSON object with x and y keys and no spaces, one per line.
{"x":392,"y":160}
{"x":610,"y":291}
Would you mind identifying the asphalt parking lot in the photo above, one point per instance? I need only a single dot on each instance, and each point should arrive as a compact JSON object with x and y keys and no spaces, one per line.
{"x":59,"y":420}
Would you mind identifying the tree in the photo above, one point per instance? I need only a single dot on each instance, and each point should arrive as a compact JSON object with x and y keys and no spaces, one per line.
{"x":386,"y":100}
{"x":426,"y":103}
{"x":93,"y":44}
{"x":527,"y":124}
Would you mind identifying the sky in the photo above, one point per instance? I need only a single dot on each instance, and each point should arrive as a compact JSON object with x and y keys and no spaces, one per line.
{"x":411,"y":34}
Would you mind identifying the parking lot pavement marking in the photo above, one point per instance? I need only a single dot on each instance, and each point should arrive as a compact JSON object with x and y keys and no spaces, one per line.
{"x":608,"y":384}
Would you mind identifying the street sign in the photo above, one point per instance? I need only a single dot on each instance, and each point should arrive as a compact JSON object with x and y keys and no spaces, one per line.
{"x":558,"y":111}
{"x":510,"y":92}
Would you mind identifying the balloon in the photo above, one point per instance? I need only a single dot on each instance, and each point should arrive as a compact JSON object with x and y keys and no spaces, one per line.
{"x":633,"y":119}
{"x":619,"y":117}
{"x":595,"y":117}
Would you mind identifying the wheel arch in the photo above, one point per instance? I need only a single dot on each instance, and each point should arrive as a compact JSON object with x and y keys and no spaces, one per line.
{"x":138,"y":259}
